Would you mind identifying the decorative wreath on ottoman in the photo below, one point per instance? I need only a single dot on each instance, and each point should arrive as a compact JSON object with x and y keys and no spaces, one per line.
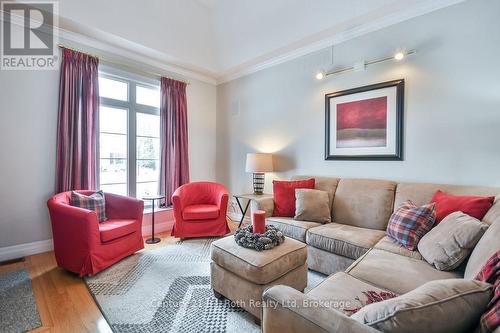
{"x":271,"y":238}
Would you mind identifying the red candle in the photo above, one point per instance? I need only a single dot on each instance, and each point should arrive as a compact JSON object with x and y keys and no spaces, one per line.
{"x":259,"y":222}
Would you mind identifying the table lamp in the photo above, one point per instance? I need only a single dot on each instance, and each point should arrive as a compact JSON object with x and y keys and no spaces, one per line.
{"x":258,"y":164}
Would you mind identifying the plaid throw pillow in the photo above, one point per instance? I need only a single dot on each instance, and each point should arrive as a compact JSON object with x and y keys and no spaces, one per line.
{"x":372,"y":296}
{"x":93,"y":202}
{"x":490,"y":273}
{"x":409,"y":223}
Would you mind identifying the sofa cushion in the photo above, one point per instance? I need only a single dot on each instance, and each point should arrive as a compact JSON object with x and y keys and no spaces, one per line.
{"x":312,"y":205}
{"x":452,"y":305}
{"x":390,"y":245}
{"x":326,"y":262}
{"x":364,"y":203}
{"x":200,"y":212}
{"x":409,"y":223}
{"x":259,"y":267}
{"x":485,"y":248}
{"x":115,"y":228}
{"x":345,"y":240}
{"x":396,"y":273}
{"x":448,"y":244}
{"x":292,"y":228}
{"x":344,"y":292}
{"x":475,"y":206}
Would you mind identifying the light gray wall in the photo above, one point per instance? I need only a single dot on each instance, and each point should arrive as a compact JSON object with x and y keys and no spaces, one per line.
{"x":452,"y":104}
{"x":28,"y":120}
{"x":201,"y":130}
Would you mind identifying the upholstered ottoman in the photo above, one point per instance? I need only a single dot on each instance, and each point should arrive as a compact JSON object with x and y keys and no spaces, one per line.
{"x":242,"y":274}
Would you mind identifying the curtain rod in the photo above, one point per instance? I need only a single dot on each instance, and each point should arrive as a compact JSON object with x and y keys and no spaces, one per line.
{"x":123,"y":64}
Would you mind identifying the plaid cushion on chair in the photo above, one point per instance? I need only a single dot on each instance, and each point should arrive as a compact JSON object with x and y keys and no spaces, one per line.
{"x":93,"y":202}
{"x":409,"y":223}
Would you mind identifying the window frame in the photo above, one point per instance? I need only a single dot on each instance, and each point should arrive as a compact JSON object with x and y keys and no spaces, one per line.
{"x":132,"y":80}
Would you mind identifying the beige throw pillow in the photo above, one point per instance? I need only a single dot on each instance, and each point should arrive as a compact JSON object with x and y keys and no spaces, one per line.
{"x":449,"y":243}
{"x":312,"y":205}
{"x":451,"y":305}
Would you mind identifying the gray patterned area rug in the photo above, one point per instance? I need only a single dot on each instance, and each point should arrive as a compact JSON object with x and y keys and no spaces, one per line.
{"x":168,"y":290}
{"x":18,"y":311}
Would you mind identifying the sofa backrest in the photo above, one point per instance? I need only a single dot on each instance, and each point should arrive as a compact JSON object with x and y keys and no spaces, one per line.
{"x":369,"y":203}
{"x":421,"y":193}
{"x":365,"y":203}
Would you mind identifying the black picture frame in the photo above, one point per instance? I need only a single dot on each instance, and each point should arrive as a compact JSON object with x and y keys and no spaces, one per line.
{"x":398,"y":155}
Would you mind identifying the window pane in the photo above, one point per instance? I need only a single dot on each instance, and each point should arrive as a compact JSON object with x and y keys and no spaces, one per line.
{"x":150,"y":188}
{"x":148,"y":171}
{"x":113,"y":145}
{"x":112,"y":120}
{"x":148,"y":148}
{"x":147,"y":96}
{"x":148,"y":125}
{"x":115,"y":188}
{"x":113,"y":171}
{"x":113,"y":89}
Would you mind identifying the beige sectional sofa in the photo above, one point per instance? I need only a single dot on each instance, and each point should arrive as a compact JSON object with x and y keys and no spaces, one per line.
{"x":354,"y":250}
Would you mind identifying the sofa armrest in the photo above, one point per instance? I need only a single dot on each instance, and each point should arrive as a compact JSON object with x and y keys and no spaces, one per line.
{"x":288,"y":310}
{"x":265,"y":204}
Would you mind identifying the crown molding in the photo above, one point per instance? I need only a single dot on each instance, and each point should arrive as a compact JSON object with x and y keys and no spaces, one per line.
{"x":311,"y":45}
{"x":116,"y":48}
{"x":139,"y":54}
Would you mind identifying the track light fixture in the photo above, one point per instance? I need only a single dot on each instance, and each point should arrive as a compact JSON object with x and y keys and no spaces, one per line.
{"x":398,"y":56}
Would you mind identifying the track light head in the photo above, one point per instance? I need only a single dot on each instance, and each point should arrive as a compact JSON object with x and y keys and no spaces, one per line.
{"x":320,"y":75}
{"x":399,"y":56}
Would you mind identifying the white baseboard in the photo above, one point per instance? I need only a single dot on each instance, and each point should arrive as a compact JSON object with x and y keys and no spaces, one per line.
{"x":27,"y":249}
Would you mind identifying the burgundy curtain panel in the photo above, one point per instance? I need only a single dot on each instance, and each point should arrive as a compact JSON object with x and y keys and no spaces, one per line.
{"x":78,"y":123}
{"x":174,"y":167}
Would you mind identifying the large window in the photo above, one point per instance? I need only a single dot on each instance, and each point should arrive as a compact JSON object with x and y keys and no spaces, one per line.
{"x":129,"y":135}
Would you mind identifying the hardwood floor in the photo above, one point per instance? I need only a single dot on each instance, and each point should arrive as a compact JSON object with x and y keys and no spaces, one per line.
{"x":64,"y":302}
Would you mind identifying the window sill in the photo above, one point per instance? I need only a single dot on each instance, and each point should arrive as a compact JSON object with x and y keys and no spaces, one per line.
{"x":148,"y":210}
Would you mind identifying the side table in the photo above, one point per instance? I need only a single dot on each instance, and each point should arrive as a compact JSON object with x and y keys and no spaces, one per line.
{"x":152,"y":198}
{"x":249,"y":197}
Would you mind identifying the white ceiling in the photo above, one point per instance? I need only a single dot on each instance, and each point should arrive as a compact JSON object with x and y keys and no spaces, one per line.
{"x":223,"y":39}
{"x":248,"y":29}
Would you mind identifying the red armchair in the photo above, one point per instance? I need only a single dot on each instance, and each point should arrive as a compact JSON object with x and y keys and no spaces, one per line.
{"x":200,"y":210}
{"x":83,"y":245}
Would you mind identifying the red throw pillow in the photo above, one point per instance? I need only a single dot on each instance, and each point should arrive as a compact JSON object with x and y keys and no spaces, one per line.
{"x":474,"y":206}
{"x":284,"y":195}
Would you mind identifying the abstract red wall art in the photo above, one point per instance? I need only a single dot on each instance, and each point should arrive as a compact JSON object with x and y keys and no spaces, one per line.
{"x":365,"y":123}
{"x":362,"y":123}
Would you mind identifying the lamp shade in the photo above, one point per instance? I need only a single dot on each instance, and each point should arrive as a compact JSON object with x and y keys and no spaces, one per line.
{"x":259,"y":162}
